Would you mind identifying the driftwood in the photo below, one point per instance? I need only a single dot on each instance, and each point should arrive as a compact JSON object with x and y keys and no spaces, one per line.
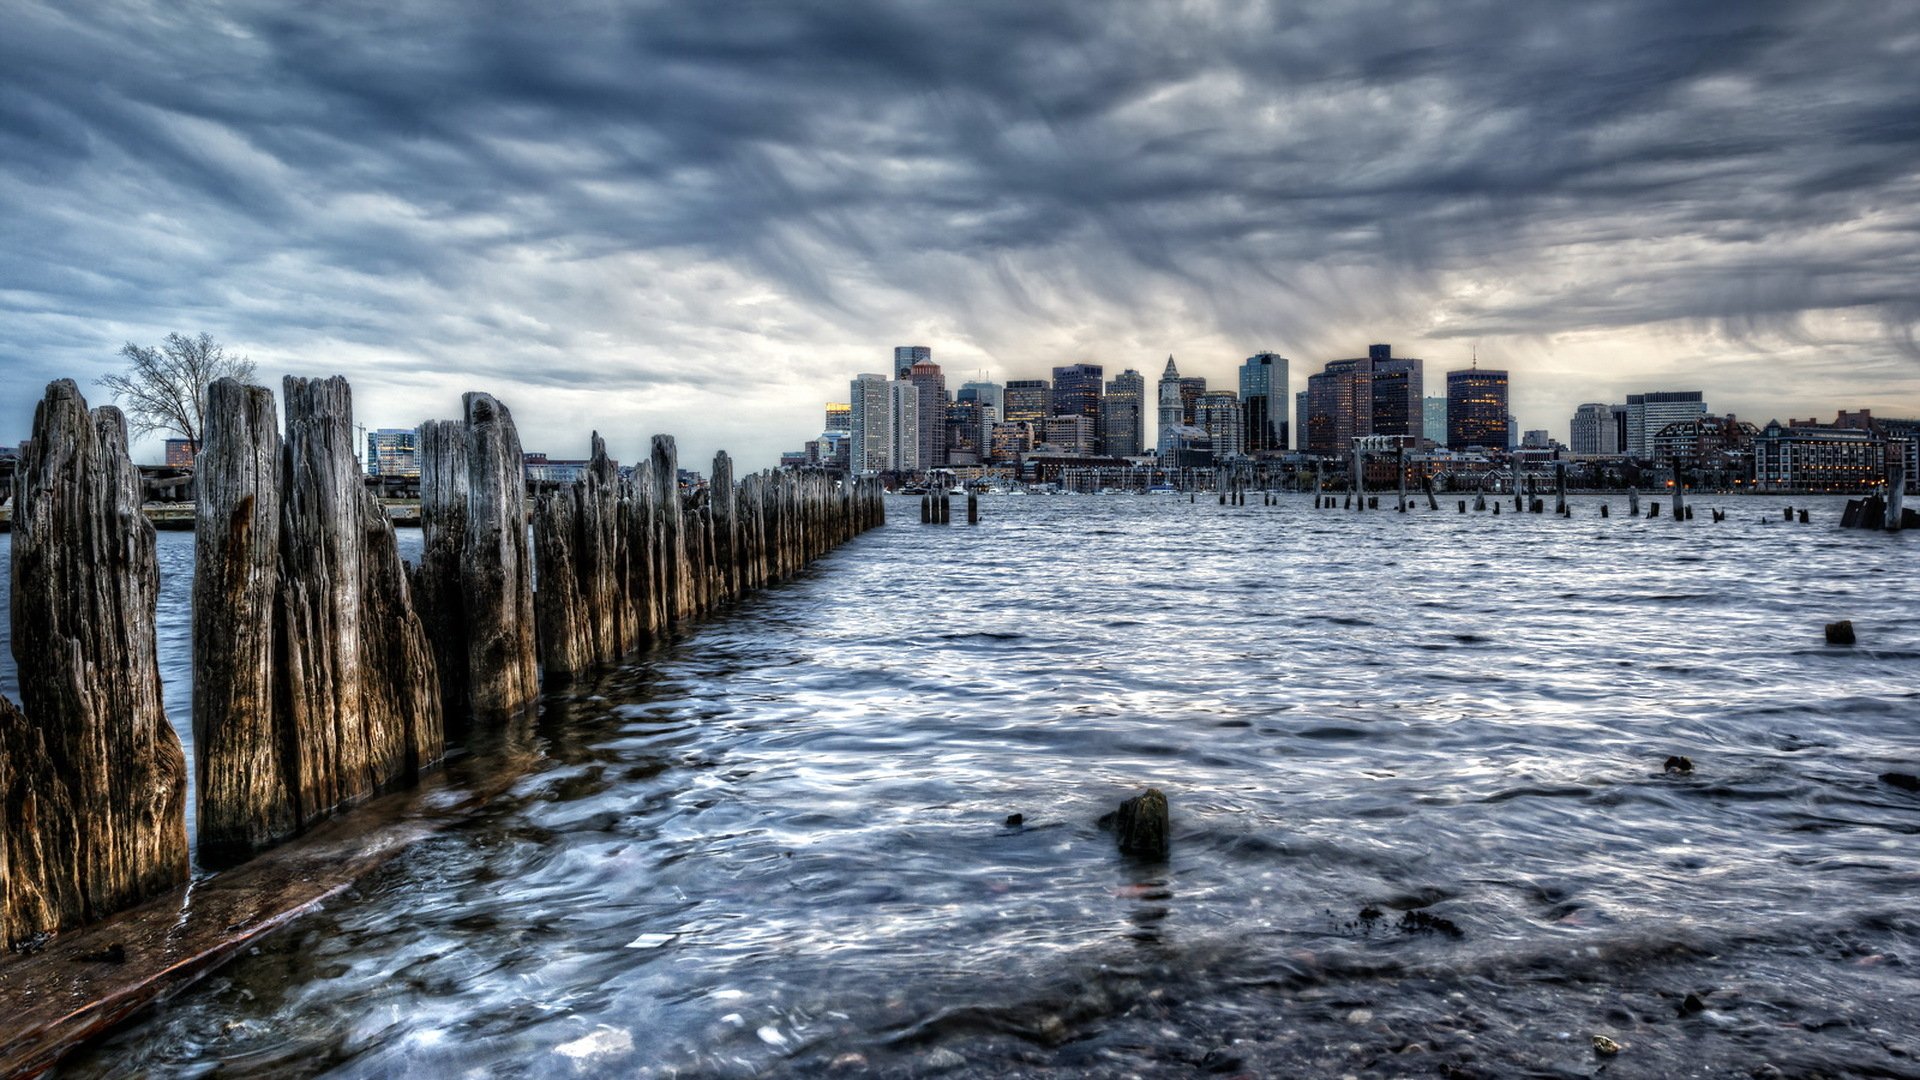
{"x":353,"y":700}
{"x":92,"y":778}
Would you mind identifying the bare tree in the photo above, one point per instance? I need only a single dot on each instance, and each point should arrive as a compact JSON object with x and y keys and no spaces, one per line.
{"x":165,"y":389}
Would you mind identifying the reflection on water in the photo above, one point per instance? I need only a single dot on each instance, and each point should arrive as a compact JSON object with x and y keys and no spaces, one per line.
{"x":1420,"y":819}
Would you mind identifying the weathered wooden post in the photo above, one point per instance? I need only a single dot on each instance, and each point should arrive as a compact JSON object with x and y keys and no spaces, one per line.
{"x":1560,"y":488}
{"x":246,"y":796}
{"x":361,"y":695}
{"x":1787,"y":513}
{"x":92,"y":778}
{"x":726,"y":533}
{"x":973,"y":508}
{"x":672,"y":539}
{"x":1896,"y":487}
{"x":1603,"y":510}
{"x":1426,"y":484}
{"x":1359,"y":477}
{"x":1400,"y":471}
{"x":1633,"y":502}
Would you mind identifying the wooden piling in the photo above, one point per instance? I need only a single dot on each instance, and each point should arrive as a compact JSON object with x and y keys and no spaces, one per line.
{"x":1896,"y":491}
{"x":1560,"y":488}
{"x":92,"y":778}
{"x":973,"y":508}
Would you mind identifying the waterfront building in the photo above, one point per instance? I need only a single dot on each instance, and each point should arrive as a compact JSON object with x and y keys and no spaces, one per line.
{"x":905,"y":356}
{"x":1477,"y":409}
{"x":1220,"y":414}
{"x":1592,"y":431}
{"x":1076,"y":390}
{"x":965,"y":433}
{"x":1030,"y":400}
{"x":1398,"y":390}
{"x":1433,"y":420}
{"x":1375,"y":394}
{"x":1263,"y":402}
{"x":1189,"y":447}
{"x":869,"y":425}
{"x":1703,"y":442}
{"x":988,"y":399}
{"x":1069,"y":433}
{"x":393,"y":452}
{"x":1300,"y":421}
{"x":904,"y":427}
{"x":180,"y":454}
{"x":1168,"y":411}
{"x":839,"y":416}
{"x":1648,"y":413}
{"x":1122,"y":415}
{"x":1806,"y":458}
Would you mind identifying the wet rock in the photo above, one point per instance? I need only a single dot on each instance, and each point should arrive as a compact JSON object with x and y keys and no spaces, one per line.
{"x":1014,"y":821}
{"x":1840,"y":633}
{"x":1604,"y":1046}
{"x":1692,"y":1005}
{"x":1902,"y":780}
{"x":1141,"y":825}
{"x":1221,"y":1060}
{"x":115,"y":953}
{"x":1370,"y":915}
{"x":1681,"y":765}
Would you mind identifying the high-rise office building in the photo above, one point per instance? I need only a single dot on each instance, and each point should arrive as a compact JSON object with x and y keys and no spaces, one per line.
{"x":1069,"y":433}
{"x":903,"y":415}
{"x":967,"y":438}
{"x":1477,"y":409}
{"x":1375,"y":394}
{"x":1263,"y":401}
{"x":180,"y":454}
{"x":905,"y":356}
{"x":1221,"y":414}
{"x":1191,"y":387}
{"x":1433,"y":420}
{"x":931,"y":408}
{"x":1593,"y":430}
{"x":1123,"y":415}
{"x":839,"y":416}
{"x":1029,"y":400}
{"x":869,"y":424}
{"x":1168,"y":413}
{"x":393,"y":452}
{"x":1076,"y":390}
{"x":991,"y":400}
{"x":1648,"y":413}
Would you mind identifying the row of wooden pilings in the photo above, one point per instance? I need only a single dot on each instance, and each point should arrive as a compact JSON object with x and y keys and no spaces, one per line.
{"x":325,"y":669}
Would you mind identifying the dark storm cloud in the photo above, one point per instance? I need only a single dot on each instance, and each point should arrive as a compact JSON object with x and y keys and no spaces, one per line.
{"x":557,"y":193}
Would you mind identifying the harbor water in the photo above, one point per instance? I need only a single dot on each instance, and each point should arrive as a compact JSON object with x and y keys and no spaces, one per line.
{"x":1422,"y":819}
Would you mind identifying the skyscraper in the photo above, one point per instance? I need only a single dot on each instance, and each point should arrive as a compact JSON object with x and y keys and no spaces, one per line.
{"x":991,"y":400}
{"x":903,"y":414}
{"x":1375,"y":394}
{"x":393,"y":452}
{"x":869,"y":423}
{"x":1592,"y":430}
{"x":1122,"y":415}
{"x":1076,"y":390}
{"x":839,"y":416}
{"x":1029,"y":400}
{"x":1191,"y":387}
{"x":1477,"y":409}
{"x":1169,"y":413}
{"x":905,"y":356}
{"x":1222,"y":416}
{"x":1263,"y":400}
{"x":931,"y":407}
{"x":1433,"y":420}
{"x":1648,"y":413}
{"x":1398,"y":389}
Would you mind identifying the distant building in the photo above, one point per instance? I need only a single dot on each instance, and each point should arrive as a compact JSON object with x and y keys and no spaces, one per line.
{"x":1069,"y":434}
{"x":1168,"y":411}
{"x":1536,"y":439}
{"x":1592,"y":431}
{"x":1189,"y":447}
{"x":1375,"y":394}
{"x":1191,"y":387}
{"x":1433,"y":420}
{"x":839,"y":416}
{"x":1477,"y":409}
{"x":966,"y":433}
{"x":1030,"y":400}
{"x":1263,"y":402}
{"x":1804,"y":458}
{"x":987,"y":398}
{"x":869,"y":425}
{"x":180,"y":454}
{"x":1123,"y":415}
{"x":930,"y":388}
{"x":1220,"y":414}
{"x":1012,"y":440}
{"x":905,"y":356}
{"x":903,"y":414}
{"x":1300,"y":420}
{"x":393,"y":452}
{"x":1076,"y":390}
{"x":1703,"y":442}
{"x":1648,"y":413}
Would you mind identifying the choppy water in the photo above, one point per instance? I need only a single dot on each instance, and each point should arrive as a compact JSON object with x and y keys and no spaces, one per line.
{"x":779,"y":846}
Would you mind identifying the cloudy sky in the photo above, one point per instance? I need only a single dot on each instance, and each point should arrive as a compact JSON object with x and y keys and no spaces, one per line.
{"x":704,"y":218}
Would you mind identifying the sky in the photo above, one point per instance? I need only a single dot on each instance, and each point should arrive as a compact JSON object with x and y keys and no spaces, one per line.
{"x":705,"y":218}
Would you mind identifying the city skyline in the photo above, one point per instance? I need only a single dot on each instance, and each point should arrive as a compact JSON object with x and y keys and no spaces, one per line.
{"x":699,"y":223}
